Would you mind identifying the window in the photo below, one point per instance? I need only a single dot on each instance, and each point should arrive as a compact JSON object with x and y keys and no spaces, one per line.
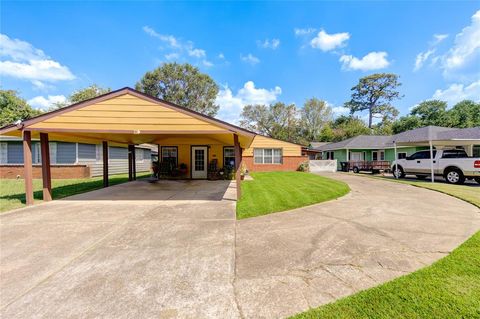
{"x":117,"y":153}
{"x":66,"y":153}
{"x":422,"y":155}
{"x":267,"y":155}
{"x":374,"y":156}
{"x":228,"y":157}
{"x":15,"y":153}
{"x":87,"y":151}
{"x":378,"y":155}
{"x":382,"y":155}
{"x":170,"y":154}
{"x":401,"y":155}
{"x":454,"y":154}
{"x":329,"y":155}
{"x":476,"y":151}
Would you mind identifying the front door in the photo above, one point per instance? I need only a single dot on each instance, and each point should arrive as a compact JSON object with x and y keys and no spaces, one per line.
{"x":199,"y":162}
{"x":356,"y":156}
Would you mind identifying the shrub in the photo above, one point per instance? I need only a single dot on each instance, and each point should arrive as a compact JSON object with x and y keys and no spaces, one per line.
{"x":304,"y":167}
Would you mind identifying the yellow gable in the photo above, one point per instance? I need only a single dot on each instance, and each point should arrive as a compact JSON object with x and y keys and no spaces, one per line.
{"x":128,"y":112}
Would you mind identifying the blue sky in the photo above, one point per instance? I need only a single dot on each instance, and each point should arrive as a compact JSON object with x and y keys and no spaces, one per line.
{"x":259,"y":52}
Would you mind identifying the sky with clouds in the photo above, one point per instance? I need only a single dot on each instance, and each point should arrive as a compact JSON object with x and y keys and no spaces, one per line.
{"x":257,"y":52}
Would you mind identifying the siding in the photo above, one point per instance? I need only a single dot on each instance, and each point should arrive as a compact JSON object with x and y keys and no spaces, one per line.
{"x":288,"y":149}
{"x":118,"y":162}
{"x":128,"y":112}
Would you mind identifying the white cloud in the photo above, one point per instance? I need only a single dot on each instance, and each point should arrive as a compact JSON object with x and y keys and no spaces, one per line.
{"x":439,"y":38}
{"x":303,"y":32}
{"x":327,"y":42}
{"x":179,"y":48}
{"x":249,"y":58}
{"x":269,"y":44}
{"x":371,"y":61}
{"x":466,"y":50}
{"x":21,"y":60}
{"x":457,"y":92}
{"x":221,"y":56}
{"x":42,"y":103}
{"x":340,"y":110}
{"x":232,"y":105}
{"x":421,"y":58}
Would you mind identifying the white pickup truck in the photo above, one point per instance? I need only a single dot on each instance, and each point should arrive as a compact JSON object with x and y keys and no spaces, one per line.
{"x":453,"y":164}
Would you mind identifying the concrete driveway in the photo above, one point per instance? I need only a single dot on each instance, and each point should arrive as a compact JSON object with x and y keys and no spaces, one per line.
{"x":133,"y":251}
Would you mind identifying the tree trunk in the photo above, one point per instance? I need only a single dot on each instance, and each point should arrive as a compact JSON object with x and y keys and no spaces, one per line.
{"x":370,"y":117}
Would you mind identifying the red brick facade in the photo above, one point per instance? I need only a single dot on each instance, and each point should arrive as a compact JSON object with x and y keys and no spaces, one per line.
{"x":290,"y":163}
{"x":58,"y":171}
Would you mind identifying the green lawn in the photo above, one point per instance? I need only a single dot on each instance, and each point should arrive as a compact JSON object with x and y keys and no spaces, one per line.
{"x":12,"y":191}
{"x":449,"y":288}
{"x":271,"y":192}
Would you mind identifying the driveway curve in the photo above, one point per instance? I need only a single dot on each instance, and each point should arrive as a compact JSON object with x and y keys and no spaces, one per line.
{"x":175,"y":250}
{"x":289,"y":262}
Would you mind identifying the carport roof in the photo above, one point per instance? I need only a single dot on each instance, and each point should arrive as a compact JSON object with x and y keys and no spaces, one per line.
{"x":127,"y":116}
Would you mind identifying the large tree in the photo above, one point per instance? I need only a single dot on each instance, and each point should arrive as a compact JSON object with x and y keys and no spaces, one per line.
{"x":348,"y":126}
{"x":182,"y":84}
{"x":374,"y":93}
{"x":465,"y":113}
{"x":13,"y":108}
{"x":314,"y":115}
{"x":83,"y":94}
{"x":277,"y":120}
{"x":406,"y":123}
{"x":433,"y":112}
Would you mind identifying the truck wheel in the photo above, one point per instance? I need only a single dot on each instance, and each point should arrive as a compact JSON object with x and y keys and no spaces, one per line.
{"x":356,"y":170}
{"x":454,"y":176}
{"x":398,"y":172}
{"x":477,"y":179}
{"x":421,"y":176}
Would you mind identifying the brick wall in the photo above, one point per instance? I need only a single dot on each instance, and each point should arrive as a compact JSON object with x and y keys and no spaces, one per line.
{"x":58,"y":171}
{"x":290,"y":163}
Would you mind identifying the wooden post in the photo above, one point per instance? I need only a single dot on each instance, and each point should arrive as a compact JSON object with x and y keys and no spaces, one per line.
{"x":27,"y":166}
{"x":130,"y":163}
{"x":238,"y":165}
{"x":105,"y":163}
{"x":134,"y":163}
{"x":159,"y":149}
{"x":46,"y":173}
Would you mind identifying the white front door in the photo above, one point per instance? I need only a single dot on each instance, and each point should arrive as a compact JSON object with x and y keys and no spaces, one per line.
{"x":199,"y":162}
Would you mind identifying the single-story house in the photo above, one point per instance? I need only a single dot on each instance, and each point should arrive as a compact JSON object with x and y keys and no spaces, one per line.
{"x":129,"y":117}
{"x":382,"y":148}
{"x":69,"y":159}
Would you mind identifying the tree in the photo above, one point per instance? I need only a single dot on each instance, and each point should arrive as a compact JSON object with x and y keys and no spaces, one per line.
{"x":433,"y":112}
{"x":14,"y":108}
{"x":277,"y":120}
{"x":464,"y":114}
{"x":182,"y":84}
{"x":375,"y":93}
{"x":406,"y":123}
{"x":314,"y":115}
{"x":326,"y":134}
{"x":348,"y":126}
{"x":82,"y":95}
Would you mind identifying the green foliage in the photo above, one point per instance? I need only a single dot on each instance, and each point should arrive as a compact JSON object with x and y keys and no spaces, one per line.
{"x":83,"y":95}
{"x":304,"y":167}
{"x":406,"y":123}
{"x":182,"y":84}
{"x":464,"y":114}
{"x":326,"y":133}
{"x":433,"y":112}
{"x":271,"y":192}
{"x":315,"y":114}
{"x":375,"y":93}
{"x":277,"y":120}
{"x":14,"y":108}
{"x":348,"y":126}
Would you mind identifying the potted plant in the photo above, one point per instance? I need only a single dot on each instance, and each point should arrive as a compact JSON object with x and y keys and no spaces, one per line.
{"x":183,"y":169}
{"x":243,"y":171}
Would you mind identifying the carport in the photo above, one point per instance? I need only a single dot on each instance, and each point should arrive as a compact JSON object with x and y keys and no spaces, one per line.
{"x":126,"y":117}
{"x":439,"y":137}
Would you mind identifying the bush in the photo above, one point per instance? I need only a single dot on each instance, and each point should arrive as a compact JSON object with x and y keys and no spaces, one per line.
{"x":304,"y":167}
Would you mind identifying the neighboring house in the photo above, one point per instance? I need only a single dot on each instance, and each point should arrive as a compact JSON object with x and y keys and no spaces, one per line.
{"x":312,"y":151}
{"x":381,"y":148}
{"x":70,"y":160}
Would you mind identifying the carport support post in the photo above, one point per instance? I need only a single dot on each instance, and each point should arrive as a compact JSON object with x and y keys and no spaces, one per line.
{"x":105,"y":163}
{"x":27,"y":167}
{"x":396,"y":158}
{"x":431,"y":162}
{"x":238,"y":165}
{"x":158,"y":160}
{"x":130,"y":163}
{"x":46,"y":173}
{"x":134,"y":163}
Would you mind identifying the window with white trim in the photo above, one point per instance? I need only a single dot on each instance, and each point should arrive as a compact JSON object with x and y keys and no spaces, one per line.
{"x":228,"y":157}
{"x":267,"y":156}
{"x":401,"y":155}
{"x":170,"y":153}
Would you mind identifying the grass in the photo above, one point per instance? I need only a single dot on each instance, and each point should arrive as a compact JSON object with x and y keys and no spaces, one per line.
{"x":12,"y":191}
{"x":449,"y":288}
{"x":271,"y":192}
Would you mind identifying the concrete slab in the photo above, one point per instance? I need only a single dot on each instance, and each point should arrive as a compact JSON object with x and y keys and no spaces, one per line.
{"x":173,"y":249}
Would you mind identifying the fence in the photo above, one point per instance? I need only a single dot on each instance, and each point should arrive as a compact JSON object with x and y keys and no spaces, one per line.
{"x":323,"y":166}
